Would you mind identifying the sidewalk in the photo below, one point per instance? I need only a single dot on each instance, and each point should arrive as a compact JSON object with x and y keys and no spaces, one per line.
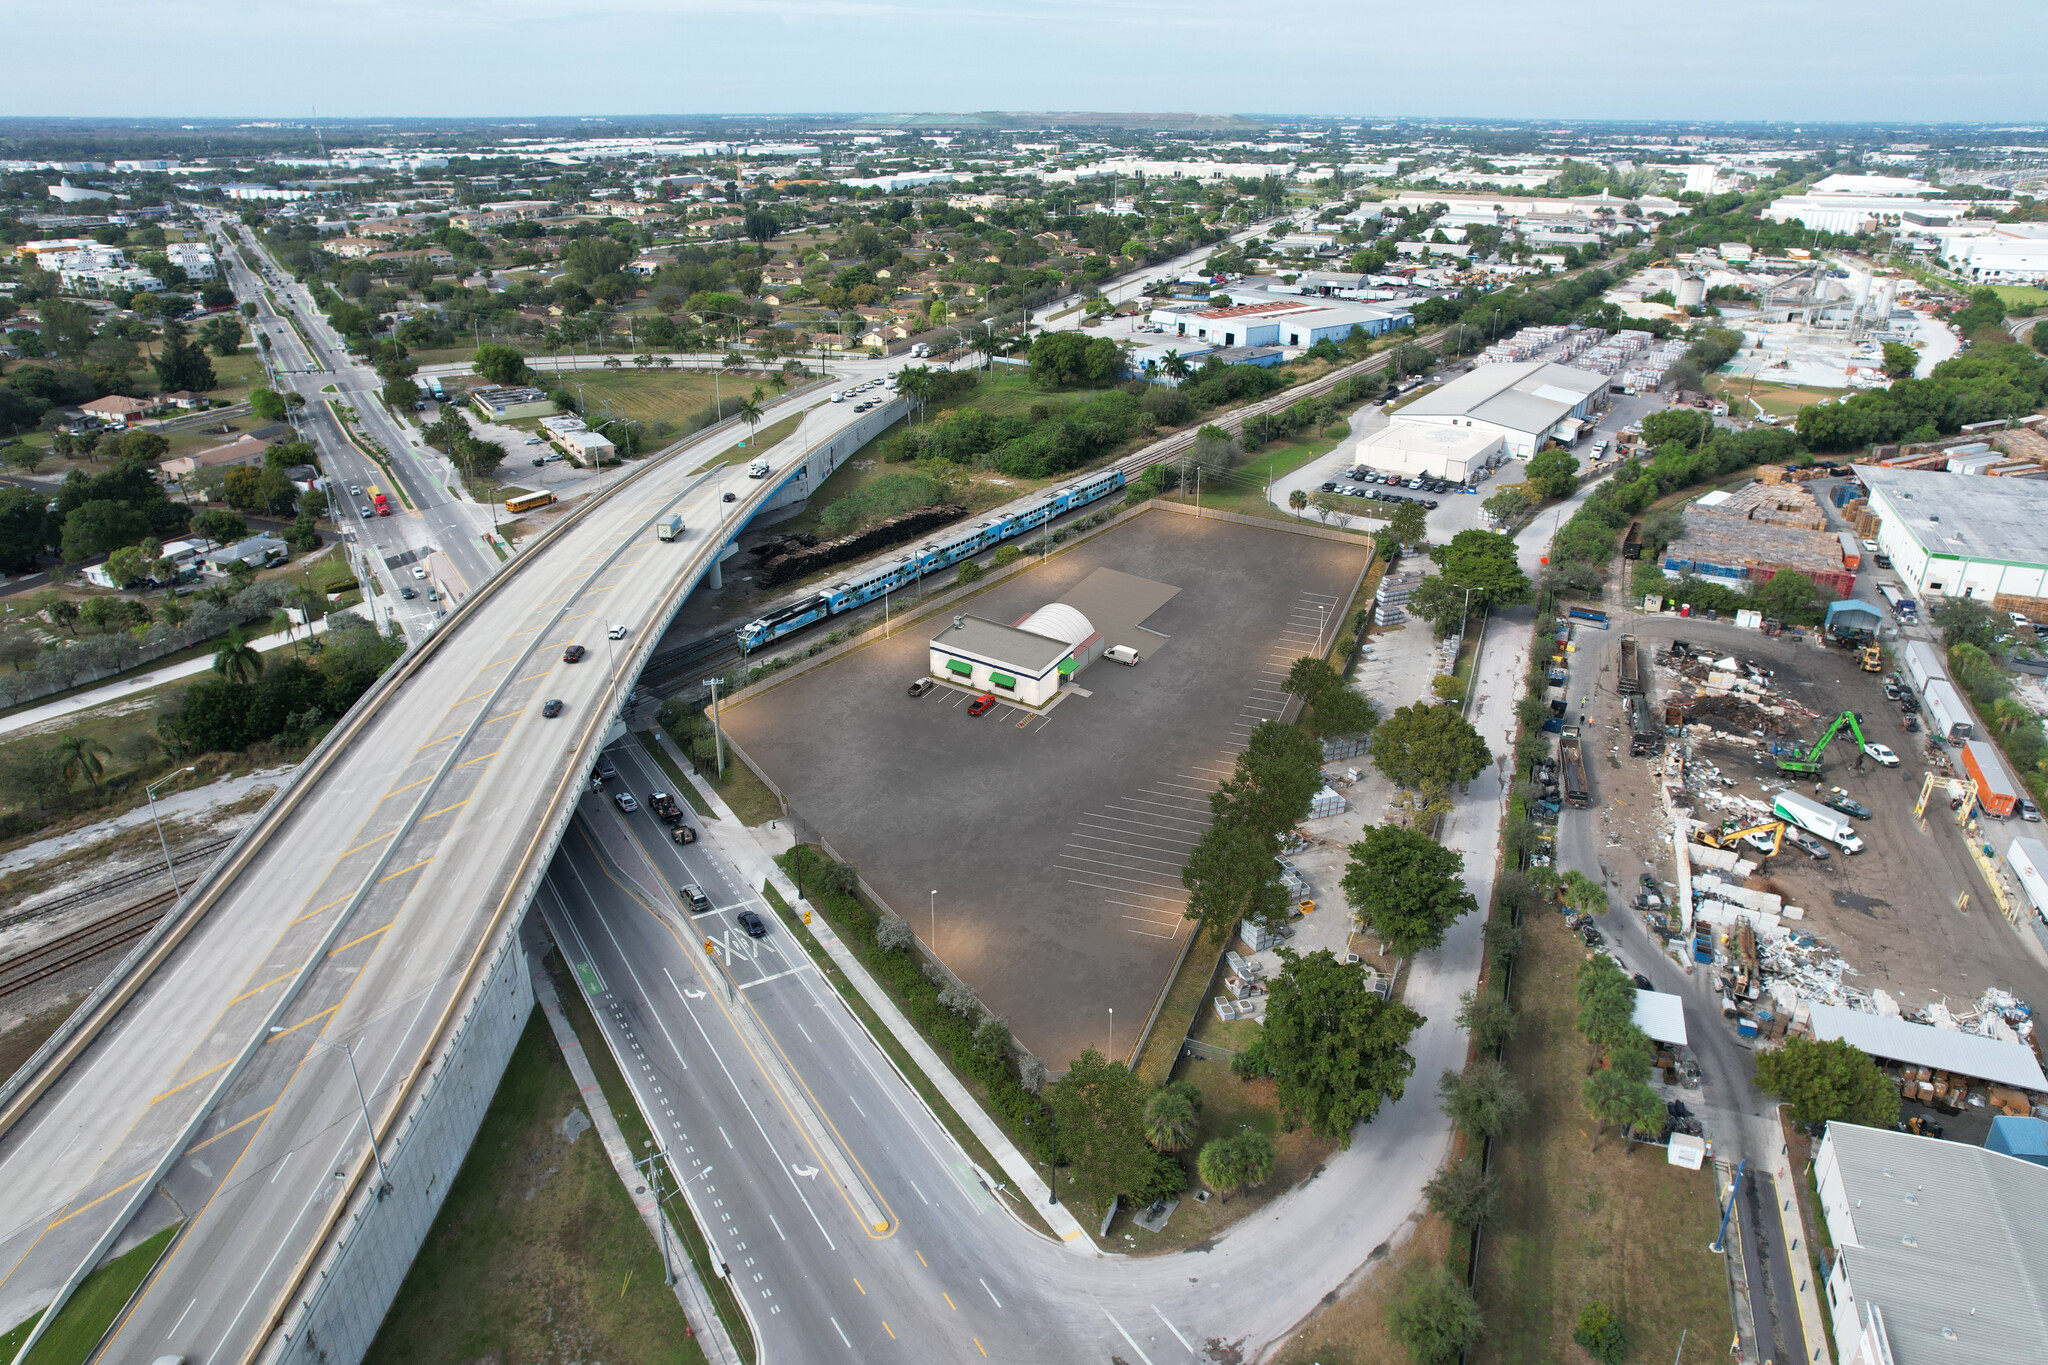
{"x":690,"y":1292}
{"x":743,"y":847}
{"x":140,"y":682}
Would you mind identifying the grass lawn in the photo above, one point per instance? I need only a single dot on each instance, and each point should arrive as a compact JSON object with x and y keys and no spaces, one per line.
{"x":748,"y":796}
{"x":1582,"y":1225}
{"x":651,"y":395}
{"x":1229,"y":1105}
{"x":1243,"y":490}
{"x":92,"y":1310}
{"x":538,"y":1253}
{"x":753,"y":444}
{"x":683,"y":784}
{"x":2011,"y":294}
{"x":1186,"y":997}
{"x":1353,"y":1330}
{"x":1779,"y":400}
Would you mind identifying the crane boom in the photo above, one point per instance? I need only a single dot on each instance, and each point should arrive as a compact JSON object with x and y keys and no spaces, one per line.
{"x":1790,"y":760}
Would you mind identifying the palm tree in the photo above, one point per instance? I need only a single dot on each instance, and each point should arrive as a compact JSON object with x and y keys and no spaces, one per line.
{"x":1218,"y":1165}
{"x":914,"y":382}
{"x":1298,"y":500}
{"x":1169,"y":1120}
{"x":281,"y":622}
{"x":749,"y":411}
{"x":236,"y":659}
{"x":82,"y":754}
{"x":1176,"y":366}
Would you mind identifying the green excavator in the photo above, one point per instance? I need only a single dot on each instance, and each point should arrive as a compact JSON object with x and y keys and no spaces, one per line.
{"x":1791,"y":759}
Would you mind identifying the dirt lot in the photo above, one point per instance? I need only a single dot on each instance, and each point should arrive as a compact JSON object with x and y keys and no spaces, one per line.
{"x":1889,"y":911}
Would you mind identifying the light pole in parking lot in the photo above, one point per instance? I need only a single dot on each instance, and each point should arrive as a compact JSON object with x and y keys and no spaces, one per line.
{"x":935,"y":923}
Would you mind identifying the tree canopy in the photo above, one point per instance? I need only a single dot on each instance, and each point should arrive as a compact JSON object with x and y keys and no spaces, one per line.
{"x":1554,"y":472}
{"x":1827,"y":1080}
{"x":1100,"y":1106}
{"x":1333,"y":707}
{"x":1484,"y":562}
{"x":1429,"y":745}
{"x":1406,"y":888}
{"x":1336,"y":1050}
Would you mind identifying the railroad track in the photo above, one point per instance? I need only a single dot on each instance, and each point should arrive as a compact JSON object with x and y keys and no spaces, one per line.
{"x":84,"y":943}
{"x":197,"y":853}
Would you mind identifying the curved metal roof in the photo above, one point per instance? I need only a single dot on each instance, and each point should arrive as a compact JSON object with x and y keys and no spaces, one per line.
{"x":1058,"y":621}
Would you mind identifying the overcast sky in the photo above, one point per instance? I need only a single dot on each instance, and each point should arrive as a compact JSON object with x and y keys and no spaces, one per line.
{"x":1834,"y":60}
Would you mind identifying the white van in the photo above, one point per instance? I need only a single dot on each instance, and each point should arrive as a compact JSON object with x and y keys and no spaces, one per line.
{"x":1122,"y":654}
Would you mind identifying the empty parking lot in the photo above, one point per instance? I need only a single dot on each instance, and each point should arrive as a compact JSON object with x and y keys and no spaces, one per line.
{"x":1054,"y":841}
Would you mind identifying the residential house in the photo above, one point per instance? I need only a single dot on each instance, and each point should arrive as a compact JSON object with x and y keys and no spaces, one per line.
{"x":185,"y":399}
{"x":115,"y":409}
{"x":257,"y":551}
{"x":243,"y":450}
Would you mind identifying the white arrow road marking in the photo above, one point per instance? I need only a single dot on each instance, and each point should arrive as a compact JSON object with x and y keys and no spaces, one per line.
{"x":807,"y":1172}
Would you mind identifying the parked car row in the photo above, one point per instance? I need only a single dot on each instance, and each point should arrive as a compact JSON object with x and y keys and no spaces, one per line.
{"x":1378,"y":495}
{"x":1424,"y":483}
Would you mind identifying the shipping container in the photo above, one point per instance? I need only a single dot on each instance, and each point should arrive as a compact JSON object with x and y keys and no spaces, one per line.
{"x":1852,"y":550}
{"x":1997,"y":791}
{"x":1923,"y":664}
{"x":1947,"y":718}
{"x":2028,"y":859}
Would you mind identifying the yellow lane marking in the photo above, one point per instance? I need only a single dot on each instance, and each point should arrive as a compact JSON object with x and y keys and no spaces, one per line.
{"x":406,"y":788}
{"x":890,"y":1330}
{"x":920,"y":1258}
{"x":258,"y":990}
{"x":463,"y":701}
{"x":979,"y":1347}
{"x":531,"y":676}
{"x":861,"y":1287}
{"x":314,"y":1020}
{"x":478,"y":759}
{"x":949,"y":1301}
{"x":259,"y":1114}
{"x":364,"y":939}
{"x":367,"y":843}
{"x":445,"y":809}
{"x":507,"y":716}
{"x":495,"y":662}
{"x":442,"y":740}
{"x":403,"y":870}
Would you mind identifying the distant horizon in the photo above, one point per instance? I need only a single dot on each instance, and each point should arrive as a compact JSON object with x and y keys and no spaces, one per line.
{"x":1877,"y":62}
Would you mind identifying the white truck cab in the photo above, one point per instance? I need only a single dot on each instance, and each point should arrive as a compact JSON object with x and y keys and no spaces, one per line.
{"x":758,"y":469}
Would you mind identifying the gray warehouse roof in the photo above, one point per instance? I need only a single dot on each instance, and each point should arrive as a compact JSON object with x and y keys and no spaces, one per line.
{"x":1526,"y":395}
{"x":1966,"y":516}
{"x":1003,"y":646}
{"x":1947,"y":1247}
{"x":1902,"y":1040}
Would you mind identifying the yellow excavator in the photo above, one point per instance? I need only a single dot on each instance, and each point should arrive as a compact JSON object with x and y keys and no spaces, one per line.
{"x":1730,"y":834}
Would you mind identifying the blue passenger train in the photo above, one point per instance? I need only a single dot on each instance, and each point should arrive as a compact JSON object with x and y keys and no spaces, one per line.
{"x":929,"y":558}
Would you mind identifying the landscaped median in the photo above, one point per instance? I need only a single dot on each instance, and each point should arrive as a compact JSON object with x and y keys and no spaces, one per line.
{"x":97,"y":1305}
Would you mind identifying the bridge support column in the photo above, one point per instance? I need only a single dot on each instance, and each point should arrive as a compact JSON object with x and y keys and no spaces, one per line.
{"x":714,"y":577}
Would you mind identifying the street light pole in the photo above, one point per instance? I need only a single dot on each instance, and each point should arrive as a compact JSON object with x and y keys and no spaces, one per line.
{"x":717,"y":736}
{"x":169,"y":866}
{"x":935,"y":922}
{"x":369,"y":1129}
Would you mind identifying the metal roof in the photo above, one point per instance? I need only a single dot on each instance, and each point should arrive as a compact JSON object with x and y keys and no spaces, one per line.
{"x":1944,"y":1241}
{"x":1964,"y":516}
{"x":1058,"y":621}
{"x":1004,"y":647}
{"x":1526,"y":396}
{"x":1900,"y":1040}
{"x":1661,"y":1015}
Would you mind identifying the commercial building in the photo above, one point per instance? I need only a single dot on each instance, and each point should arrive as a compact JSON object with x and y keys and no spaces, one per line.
{"x":1961,"y":535}
{"x":1296,"y":323}
{"x":1938,"y":1253}
{"x":2010,"y":253}
{"x":510,"y":402}
{"x":586,"y":445}
{"x":1525,"y":403}
{"x":1419,"y":450}
{"x":195,"y":259}
{"x":1025,"y":662}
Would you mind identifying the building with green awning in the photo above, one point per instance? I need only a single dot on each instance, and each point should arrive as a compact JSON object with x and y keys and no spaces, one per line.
{"x":1015,"y":664}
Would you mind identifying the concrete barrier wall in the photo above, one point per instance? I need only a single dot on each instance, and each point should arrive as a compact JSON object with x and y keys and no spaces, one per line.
{"x":823,"y":460}
{"x":359,"y":1274}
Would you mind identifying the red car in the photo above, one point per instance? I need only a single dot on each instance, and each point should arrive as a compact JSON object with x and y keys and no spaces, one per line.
{"x":983,"y":704}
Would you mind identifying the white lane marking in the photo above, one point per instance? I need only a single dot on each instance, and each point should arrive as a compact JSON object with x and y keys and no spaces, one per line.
{"x":276,"y":1173}
{"x":722,"y":1133}
{"x":181,"y":1318}
{"x":1126,"y":1335}
{"x":856,"y":1104}
{"x":990,"y":1292}
{"x":1169,"y":1327}
{"x":773,"y":976}
{"x":659,"y":1022}
{"x":778,"y":1228}
{"x":842,"y":1333}
{"x":920,"y":1193}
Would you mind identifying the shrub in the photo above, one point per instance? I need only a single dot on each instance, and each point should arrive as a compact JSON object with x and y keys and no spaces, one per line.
{"x":1599,"y":1331}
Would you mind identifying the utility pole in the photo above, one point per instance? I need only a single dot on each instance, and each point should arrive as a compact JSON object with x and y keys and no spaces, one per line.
{"x":651,"y":1166}
{"x":717,"y":735}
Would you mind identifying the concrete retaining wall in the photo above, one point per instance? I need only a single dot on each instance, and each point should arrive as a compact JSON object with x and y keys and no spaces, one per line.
{"x":359,"y":1274}
{"x":823,"y":460}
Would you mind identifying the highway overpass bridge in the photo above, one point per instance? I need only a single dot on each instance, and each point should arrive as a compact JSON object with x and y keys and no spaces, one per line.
{"x":373,"y":906}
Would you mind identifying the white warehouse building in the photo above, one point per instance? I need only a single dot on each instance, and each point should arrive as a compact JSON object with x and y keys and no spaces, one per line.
{"x":1524,"y":403}
{"x":1424,"y":450}
{"x":1024,"y":663}
{"x":1963,"y":535}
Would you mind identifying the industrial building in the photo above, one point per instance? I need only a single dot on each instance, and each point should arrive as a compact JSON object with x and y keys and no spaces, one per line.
{"x":1960,"y":535}
{"x":507,"y":403}
{"x":1524,"y":404}
{"x":1296,"y":323}
{"x":1417,"y":449}
{"x":2010,"y":253}
{"x":1938,"y":1254}
{"x":1756,"y":532}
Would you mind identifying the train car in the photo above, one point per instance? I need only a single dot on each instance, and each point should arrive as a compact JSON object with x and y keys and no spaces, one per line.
{"x":929,"y":558}
{"x":777,"y":624}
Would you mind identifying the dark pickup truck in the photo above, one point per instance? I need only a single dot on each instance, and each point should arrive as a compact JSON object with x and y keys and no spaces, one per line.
{"x":665,"y":808}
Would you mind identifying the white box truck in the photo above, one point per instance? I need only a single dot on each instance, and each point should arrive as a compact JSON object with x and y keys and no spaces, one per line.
{"x":1815,"y":818}
{"x":670,"y":528}
{"x":758,"y":469}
